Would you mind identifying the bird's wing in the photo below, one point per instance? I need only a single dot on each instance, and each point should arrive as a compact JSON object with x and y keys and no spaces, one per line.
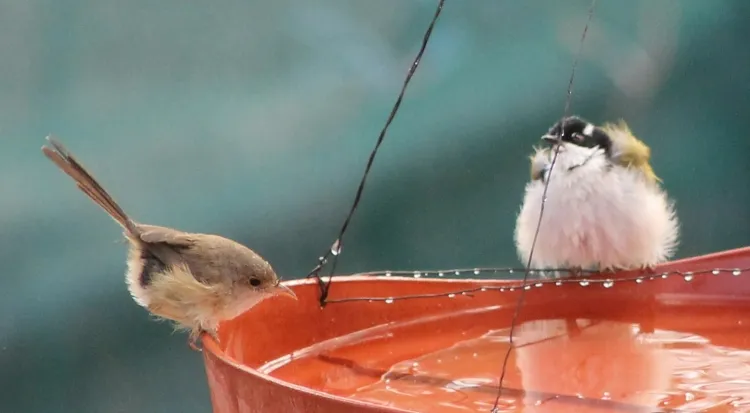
{"x":629,"y":151}
{"x":152,"y":234}
{"x":166,"y":248}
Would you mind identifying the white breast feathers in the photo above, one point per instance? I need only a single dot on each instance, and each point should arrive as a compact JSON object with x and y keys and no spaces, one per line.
{"x":597,"y":215}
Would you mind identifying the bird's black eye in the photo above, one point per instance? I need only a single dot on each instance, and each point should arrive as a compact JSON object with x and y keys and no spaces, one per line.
{"x":254,"y":282}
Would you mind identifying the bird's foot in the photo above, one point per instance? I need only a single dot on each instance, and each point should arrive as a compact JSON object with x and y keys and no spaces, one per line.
{"x":194,"y":343}
{"x":194,"y":340}
{"x":576,"y":272}
{"x":649,"y":269}
{"x":608,"y":270}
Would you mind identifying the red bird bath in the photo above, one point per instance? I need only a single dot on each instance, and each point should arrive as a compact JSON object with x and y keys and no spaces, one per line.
{"x":635,"y":343}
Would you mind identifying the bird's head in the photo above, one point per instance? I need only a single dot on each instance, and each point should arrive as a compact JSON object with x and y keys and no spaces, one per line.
{"x":619,"y":144}
{"x":579,"y":132}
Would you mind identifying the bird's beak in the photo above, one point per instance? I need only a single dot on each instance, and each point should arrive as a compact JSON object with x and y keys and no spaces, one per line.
{"x":282,"y":289}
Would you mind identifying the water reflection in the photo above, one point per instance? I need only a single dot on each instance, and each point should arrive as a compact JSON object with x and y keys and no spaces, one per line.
{"x":573,"y":365}
{"x":594,"y":359}
{"x":439,"y":364}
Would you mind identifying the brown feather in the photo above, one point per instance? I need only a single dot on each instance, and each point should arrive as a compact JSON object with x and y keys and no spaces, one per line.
{"x":87,"y":184}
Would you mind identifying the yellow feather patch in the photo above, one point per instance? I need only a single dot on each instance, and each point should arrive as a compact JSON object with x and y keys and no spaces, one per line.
{"x":629,"y":151}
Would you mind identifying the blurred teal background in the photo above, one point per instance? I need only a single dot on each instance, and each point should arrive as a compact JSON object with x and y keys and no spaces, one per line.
{"x":254,"y":119}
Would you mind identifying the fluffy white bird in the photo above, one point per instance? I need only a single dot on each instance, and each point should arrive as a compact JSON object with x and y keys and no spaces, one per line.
{"x":605,"y":209}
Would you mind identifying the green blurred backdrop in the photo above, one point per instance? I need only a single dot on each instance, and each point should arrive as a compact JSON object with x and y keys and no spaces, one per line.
{"x":254,"y":119}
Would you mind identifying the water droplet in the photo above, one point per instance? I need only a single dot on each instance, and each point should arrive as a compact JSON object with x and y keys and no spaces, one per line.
{"x":451,"y":295}
{"x":502,"y":290}
{"x":639,"y":280}
{"x":387,"y":273}
{"x":464,"y":293}
{"x":415,"y":364}
{"x":558,"y":283}
{"x":688,"y":276}
{"x":584,"y":283}
{"x":336,"y":247}
{"x":689,"y":397}
{"x":511,"y":289}
{"x":531,"y":272}
{"x":426,"y":274}
{"x":736,"y":272}
{"x":538,"y":285}
{"x":527,"y":287}
{"x":665,"y":275}
{"x":608,"y":283}
{"x":389,"y":300}
{"x":440,"y":274}
{"x":417,"y":274}
{"x":510,"y":271}
{"x":476,"y":271}
{"x":606,"y":396}
{"x":482,"y":289}
{"x":458,"y":272}
{"x":715,"y":272}
{"x":370,"y":301}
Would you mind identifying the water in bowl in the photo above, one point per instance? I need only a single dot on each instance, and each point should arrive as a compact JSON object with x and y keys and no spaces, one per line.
{"x":679,"y":358}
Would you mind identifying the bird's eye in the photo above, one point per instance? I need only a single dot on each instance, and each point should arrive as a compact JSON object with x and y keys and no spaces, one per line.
{"x":254,"y":282}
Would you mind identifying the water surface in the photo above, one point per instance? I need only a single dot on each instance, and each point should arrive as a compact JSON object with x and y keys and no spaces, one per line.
{"x":690,"y":358}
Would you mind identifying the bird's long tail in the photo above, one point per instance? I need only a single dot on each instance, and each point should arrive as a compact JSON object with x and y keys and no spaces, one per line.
{"x":86,"y":183}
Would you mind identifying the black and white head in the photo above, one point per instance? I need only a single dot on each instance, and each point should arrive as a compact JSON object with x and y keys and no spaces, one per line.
{"x":577,"y":145}
{"x":578,"y":132}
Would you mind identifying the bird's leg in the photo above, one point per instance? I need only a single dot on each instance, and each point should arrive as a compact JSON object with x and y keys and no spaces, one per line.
{"x":649,"y":269}
{"x":576,"y":272}
{"x":608,"y":270}
{"x":194,"y":340}
{"x":572,"y":327}
{"x":195,"y":334}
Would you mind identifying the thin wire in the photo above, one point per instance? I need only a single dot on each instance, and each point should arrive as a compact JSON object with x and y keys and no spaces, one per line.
{"x":475,"y":271}
{"x":538,"y":283}
{"x":325,"y":286}
{"x":522,"y":296}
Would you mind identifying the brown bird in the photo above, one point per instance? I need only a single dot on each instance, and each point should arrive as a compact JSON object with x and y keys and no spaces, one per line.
{"x":195,"y":280}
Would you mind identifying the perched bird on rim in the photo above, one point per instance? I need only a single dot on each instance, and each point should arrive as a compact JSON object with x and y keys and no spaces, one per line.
{"x":605,"y":208}
{"x":195,"y":280}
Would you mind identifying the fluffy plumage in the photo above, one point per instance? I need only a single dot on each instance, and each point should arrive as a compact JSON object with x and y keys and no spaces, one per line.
{"x":604,"y":209}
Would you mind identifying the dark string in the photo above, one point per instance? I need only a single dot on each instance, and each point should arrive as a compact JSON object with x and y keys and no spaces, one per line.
{"x":336,"y":248}
{"x":522,"y":296}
